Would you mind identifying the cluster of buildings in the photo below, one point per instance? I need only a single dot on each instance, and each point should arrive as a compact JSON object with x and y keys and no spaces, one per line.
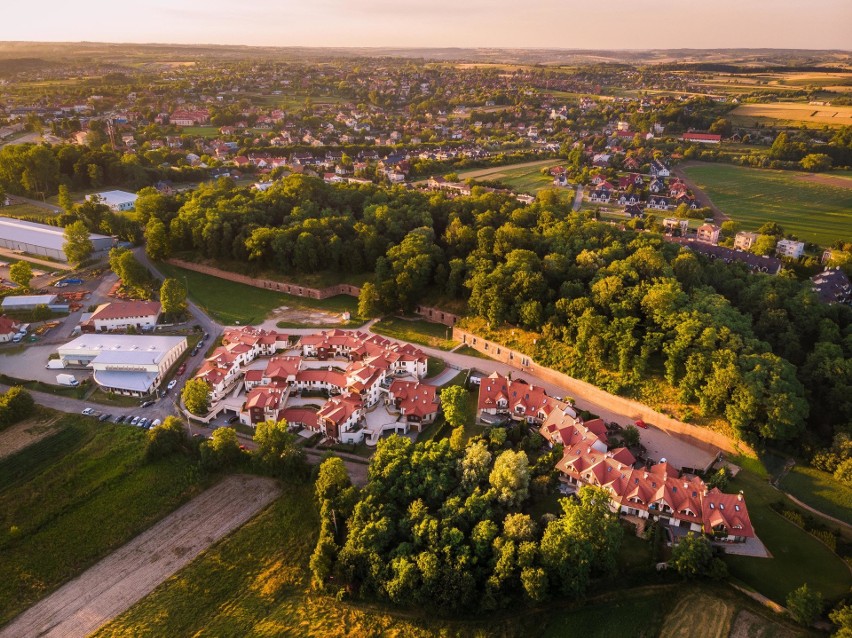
{"x":350,"y":373}
{"x":659,"y":492}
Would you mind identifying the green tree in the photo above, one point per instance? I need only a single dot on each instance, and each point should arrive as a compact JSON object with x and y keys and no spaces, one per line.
{"x":816,"y":162}
{"x":196,"y":396}
{"x":157,"y":245}
{"x":368,"y":301}
{"x":804,"y":604}
{"x":842,"y":618}
{"x":21,"y":273}
{"x":173,"y":297}
{"x":65,"y":201}
{"x":78,"y":247}
{"x":764,"y":245}
{"x":475,"y":465}
{"x":222,"y":450}
{"x":277,"y":450}
{"x":510,"y":478}
{"x":166,"y":439}
{"x":692,"y":555}
{"x":16,"y":404}
{"x":631,"y":436}
{"x":455,"y":403}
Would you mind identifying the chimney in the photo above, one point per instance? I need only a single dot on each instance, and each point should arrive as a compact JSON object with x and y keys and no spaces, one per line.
{"x":644,"y":475}
{"x":740,"y":496}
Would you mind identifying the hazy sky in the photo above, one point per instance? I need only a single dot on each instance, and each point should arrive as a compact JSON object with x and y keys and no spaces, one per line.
{"x":587,"y":24}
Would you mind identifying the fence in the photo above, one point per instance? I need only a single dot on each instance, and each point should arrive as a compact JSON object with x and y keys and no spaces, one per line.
{"x":696,"y":435}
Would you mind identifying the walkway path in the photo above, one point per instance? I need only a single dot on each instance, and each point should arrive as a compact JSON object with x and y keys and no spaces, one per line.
{"x":117,"y":582}
{"x":578,"y":198}
{"x":702,"y":197}
{"x":50,"y":265}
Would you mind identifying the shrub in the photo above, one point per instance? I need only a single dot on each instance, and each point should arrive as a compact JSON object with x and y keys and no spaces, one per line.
{"x":794,"y":517}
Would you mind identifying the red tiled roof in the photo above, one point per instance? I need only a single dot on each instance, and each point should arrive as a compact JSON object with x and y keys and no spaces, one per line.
{"x":126,"y":310}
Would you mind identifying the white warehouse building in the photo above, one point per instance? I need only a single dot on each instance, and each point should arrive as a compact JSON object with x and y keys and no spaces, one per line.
{"x":43,"y":240}
{"x":124,"y":364}
{"x":117,"y":201}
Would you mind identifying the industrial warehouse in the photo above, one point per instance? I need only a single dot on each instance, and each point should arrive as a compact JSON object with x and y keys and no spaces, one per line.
{"x":124,"y":364}
{"x":43,"y":240}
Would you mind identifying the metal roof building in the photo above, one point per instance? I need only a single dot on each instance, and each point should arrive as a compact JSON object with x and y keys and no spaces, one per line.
{"x":125,"y":364}
{"x":29,"y":302}
{"x":117,"y":200}
{"x":43,"y":240}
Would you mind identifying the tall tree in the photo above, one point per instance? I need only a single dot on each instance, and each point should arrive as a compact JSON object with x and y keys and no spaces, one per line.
{"x":65,"y":201}
{"x":511,"y":478}
{"x":78,"y":247}
{"x":277,"y":451}
{"x":157,"y":245}
{"x":805,"y":604}
{"x":21,"y":273}
{"x":173,"y":297}
{"x":196,"y":396}
{"x":368,"y":299}
{"x":455,"y":403}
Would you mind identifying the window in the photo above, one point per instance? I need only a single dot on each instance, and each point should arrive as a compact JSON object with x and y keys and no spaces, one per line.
{"x":712,"y":507}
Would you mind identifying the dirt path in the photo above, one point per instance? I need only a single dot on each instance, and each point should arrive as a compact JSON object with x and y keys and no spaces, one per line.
{"x":124,"y":577}
{"x":19,"y":436}
{"x":702,"y":197}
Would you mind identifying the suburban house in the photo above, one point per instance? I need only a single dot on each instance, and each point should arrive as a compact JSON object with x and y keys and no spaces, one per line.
{"x":264,"y":403}
{"x":658,"y":169}
{"x":121,"y":315}
{"x":708,"y":233}
{"x":501,"y":398}
{"x":340,"y":419}
{"x":790,"y":248}
{"x":417,"y":402}
{"x":831,"y":285}
{"x":671,"y":224}
{"x":744,"y":240}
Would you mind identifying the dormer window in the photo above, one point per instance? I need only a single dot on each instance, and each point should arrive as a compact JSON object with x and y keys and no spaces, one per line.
{"x":712,"y":507}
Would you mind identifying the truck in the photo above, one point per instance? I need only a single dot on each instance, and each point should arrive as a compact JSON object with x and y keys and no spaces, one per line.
{"x":55,"y":364}
{"x":67,"y":379}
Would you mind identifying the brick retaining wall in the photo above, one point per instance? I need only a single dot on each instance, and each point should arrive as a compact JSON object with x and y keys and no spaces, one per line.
{"x":701,"y":437}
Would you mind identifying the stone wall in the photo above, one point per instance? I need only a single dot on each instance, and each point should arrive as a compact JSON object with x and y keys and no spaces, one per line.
{"x":437,"y":315}
{"x":701,"y":437}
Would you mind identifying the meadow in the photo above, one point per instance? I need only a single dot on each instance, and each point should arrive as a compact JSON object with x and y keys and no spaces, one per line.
{"x":791,"y":114}
{"x":232,"y":303}
{"x":820,"y":490}
{"x":813,"y":211}
{"x":72,"y":497}
{"x":417,"y":331}
{"x":524,"y":178}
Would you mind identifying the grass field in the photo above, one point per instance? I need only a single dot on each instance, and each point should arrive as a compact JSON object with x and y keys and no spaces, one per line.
{"x":797,"y":557}
{"x":471,"y":352}
{"x":791,"y":114}
{"x":524,"y":178}
{"x":819,"y":490}
{"x":416,"y":331}
{"x":200,"y":131}
{"x":814,"y":212}
{"x":69,"y":499}
{"x":229,"y":302}
{"x":26,"y":210}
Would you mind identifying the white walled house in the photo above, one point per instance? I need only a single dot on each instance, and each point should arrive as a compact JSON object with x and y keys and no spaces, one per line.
{"x":121,"y":315}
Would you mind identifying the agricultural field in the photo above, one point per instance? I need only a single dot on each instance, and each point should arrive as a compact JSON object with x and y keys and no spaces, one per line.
{"x":796,"y":555}
{"x":521,"y":178}
{"x":70,"y":498}
{"x":791,"y":114}
{"x":820,"y":490}
{"x":814,"y":208}
{"x":419,"y":331}
{"x":230,"y":302}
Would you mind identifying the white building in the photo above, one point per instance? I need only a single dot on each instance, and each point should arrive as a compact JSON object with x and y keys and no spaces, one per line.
{"x":124,"y":364}
{"x":31,"y":302}
{"x":117,"y":200}
{"x":121,"y":315}
{"x":745,"y":240}
{"x":43,"y":240}
{"x":790,"y":248}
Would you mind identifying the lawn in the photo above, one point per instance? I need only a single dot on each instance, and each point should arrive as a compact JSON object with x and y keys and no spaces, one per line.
{"x":797,"y":557}
{"x":26,"y":210}
{"x":812,"y":211}
{"x":425,"y":333}
{"x":820,"y":490}
{"x":229,"y":302}
{"x":470,"y":352}
{"x":68,"y":500}
{"x":201,"y":131}
{"x":522,"y":179}
{"x":435,"y":366}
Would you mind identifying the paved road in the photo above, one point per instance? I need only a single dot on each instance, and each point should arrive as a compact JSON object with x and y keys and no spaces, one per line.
{"x":578,"y":198}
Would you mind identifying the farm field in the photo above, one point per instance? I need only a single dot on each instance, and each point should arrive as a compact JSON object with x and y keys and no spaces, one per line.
{"x":813,"y":211}
{"x":522,"y":178}
{"x":256,"y":582}
{"x":23,"y":434}
{"x":796,"y":555}
{"x":70,"y":498}
{"x":791,"y":114}
{"x":231,"y":302}
{"x":131,"y":572}
{"x":820,"y":490}
{"x":417,"y":331}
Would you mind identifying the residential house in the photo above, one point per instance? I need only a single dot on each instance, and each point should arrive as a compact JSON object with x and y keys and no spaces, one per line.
{"x":745,"y":240}
{"x":790,"y":248}
{"x":708,"y":233}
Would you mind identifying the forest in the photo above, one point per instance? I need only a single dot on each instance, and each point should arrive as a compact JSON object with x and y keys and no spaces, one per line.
{"x":622,"y":309}
{"x":443,"y":526}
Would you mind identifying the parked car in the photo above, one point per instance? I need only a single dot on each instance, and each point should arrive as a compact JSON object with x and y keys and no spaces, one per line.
{"x":133,"y":420}
{"x":104,"y":417}
{"x":146,"y":404}
{"x":155,"y":423}
{"x":233,"y":419}
{"x":120,"y":418}
{"x":641,"y":424}
{"x":172,"y":384}
{"x":182,"y":368}
{"x":88,"y":411}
